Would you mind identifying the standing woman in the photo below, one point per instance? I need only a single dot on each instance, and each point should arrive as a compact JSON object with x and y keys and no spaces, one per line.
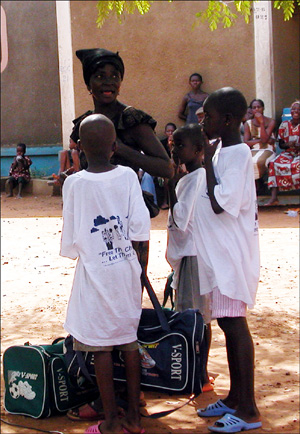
{"x":137,"y":145}
{"x":259,"y":136}
{"x":284,"y":171}
{"x":193,"y":100}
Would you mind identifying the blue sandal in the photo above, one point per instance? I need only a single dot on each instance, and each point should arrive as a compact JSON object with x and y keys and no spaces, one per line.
{"x":216,"y":409}
{"x":230,"y":423}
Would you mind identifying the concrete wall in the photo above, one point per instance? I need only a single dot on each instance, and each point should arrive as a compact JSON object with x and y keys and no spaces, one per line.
{"x":160,"y":51}
{"x":30,"y":96}
{"x":286,"y":42}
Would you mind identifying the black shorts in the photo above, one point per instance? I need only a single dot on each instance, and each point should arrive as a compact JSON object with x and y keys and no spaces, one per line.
{"x":16,"y":181}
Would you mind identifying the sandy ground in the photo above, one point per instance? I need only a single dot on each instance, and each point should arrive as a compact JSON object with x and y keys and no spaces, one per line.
{"x":36,"y":284}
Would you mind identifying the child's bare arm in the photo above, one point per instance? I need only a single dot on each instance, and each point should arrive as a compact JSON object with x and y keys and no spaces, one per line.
{"x":14,"y":164}
{"x":173,"y":181}
{"x":135,"y":245}
{"x":209,"y":151}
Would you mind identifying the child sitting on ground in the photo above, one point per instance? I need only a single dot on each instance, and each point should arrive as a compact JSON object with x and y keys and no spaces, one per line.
{"x":105,"y":218}
{"x":19,"y":174}
{"x":228,"y":252}
{"x":181,"y":249}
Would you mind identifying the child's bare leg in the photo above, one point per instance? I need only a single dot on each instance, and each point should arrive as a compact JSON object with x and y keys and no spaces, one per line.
{"x":104,"y":374}
{"x":240,"y":353}
{"x":64,"y":161}
{"x":76,"y":161}
{"x":133,"y":378}
{"x":205,"y":358}
{"x":9,"y":187}
{"x":20,"y":187}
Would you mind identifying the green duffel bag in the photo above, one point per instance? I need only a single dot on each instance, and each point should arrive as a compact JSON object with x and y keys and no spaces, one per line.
{"x":37,"y":383}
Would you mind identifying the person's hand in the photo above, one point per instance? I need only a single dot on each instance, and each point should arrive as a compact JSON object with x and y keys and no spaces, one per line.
{"x":259,"y":117}
{"x":177,"y":170}
{"x":293,"y":143}
{"x":209,"y":147}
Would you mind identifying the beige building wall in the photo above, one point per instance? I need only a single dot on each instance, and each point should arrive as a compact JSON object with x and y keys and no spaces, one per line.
{"x":160,"y":51}
{"x":30,"y":93}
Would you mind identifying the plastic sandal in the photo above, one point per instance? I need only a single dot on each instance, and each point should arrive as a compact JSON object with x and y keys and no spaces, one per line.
{"x":230,"y":423}
{"x":94,"y":429}
{"x":85,"y":412}
{"x":216,"y":409}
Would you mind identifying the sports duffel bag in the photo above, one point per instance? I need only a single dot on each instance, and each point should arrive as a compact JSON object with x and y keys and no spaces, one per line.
{"x":37,"y":383}
{"x":172,"y":347}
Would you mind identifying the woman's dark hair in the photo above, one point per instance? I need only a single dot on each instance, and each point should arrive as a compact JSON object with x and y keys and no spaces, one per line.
{"x":23,"y":146}
{"x":92,"y":58}
{"x":171,"y":125}
{"x":258,"y":100}
{"x":197,"y":75}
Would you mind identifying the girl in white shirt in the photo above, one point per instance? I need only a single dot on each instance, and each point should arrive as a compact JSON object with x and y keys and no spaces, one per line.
{"x":182,"y":236}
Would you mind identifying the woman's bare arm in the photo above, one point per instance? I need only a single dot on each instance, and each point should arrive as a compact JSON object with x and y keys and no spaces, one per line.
{"x":182,"y":108}
{"x":154,"y":158}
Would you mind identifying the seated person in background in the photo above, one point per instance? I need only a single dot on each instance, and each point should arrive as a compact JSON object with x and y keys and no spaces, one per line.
{"x":167,"y":144}
{"x":69,"y":163}
{"x":259,"y":136}
{"x":19,"y":174}
{"x":284,"y":171}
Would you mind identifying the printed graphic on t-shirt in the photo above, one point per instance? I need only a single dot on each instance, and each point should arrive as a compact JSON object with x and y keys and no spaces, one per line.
{"x":112,"y":230}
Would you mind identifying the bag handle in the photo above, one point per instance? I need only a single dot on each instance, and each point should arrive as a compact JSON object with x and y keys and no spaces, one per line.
{"x":154,"y":300}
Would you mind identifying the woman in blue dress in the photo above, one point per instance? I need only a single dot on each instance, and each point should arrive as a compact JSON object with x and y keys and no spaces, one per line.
{"x":193,"y":100}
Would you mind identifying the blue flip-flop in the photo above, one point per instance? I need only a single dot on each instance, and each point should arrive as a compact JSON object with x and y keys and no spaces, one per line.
{"x":216,"y":409}
{"x":230,"y":423}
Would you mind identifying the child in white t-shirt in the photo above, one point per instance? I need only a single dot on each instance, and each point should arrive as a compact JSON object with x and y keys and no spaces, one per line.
{"x":228,"y":252}
{"x":182,"y":236}
{"x":105,"y":218}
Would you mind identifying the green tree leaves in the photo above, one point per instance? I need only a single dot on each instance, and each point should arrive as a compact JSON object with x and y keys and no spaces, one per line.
{"x":217,"y":12}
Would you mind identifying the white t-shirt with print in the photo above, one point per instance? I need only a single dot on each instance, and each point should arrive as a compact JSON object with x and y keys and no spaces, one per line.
{"x":228,"y":248}
{"x":102,"y":214}
{"x":180,"y":226}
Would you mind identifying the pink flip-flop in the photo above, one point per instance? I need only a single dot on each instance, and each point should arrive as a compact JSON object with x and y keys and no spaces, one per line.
{"x":94,"y":429}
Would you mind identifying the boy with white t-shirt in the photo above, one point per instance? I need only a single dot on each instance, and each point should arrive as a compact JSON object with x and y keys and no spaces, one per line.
{"x":105,"y":218}
{"x":228,"y":252}
{"x":182,"y":237}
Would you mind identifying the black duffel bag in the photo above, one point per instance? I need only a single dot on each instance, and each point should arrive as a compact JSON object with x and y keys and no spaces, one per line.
{"x":172,"y":348}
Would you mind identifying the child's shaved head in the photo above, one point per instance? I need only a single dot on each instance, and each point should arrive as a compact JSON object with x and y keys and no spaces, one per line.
{"x":192,"y":132}
{"x":228,"y":100}
{"x":97,"y":135}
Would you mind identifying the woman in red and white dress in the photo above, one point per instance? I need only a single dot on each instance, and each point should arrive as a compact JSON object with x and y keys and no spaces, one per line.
{"x":284,"y":171}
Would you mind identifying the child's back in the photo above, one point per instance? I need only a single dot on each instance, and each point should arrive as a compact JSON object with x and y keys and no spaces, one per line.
{"x":105,"y":218}
{"x":103,"y":212}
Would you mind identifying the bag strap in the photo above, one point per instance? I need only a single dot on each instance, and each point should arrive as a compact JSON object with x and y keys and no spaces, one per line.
{"x":82,"y":365}
{"x":154,"y":300}
{"x":167,"y":412}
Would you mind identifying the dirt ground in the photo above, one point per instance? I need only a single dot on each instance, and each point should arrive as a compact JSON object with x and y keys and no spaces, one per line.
{"x":36,"y":284}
